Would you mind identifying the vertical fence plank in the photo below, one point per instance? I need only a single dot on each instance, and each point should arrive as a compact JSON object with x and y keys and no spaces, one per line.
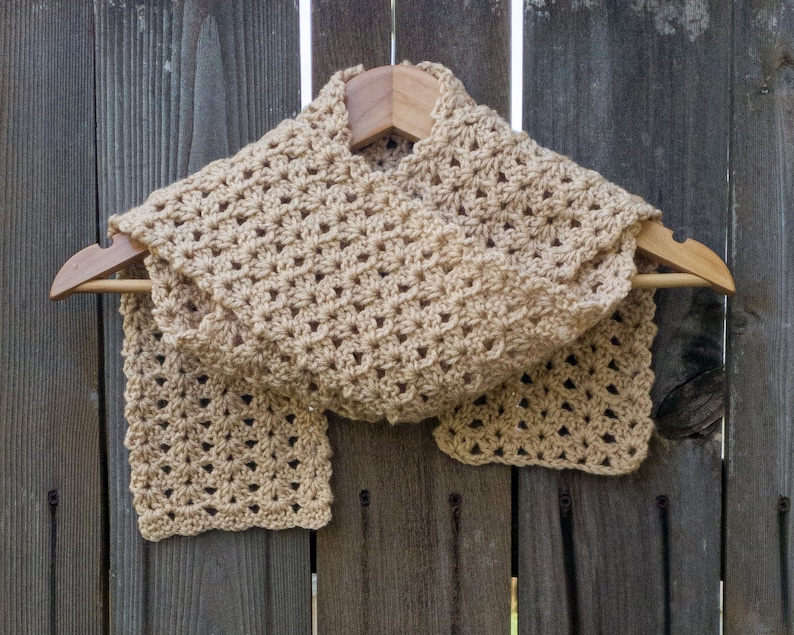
{"x":473,"y":42}
{"x":348,"y":33}
{"x":50,"y":437}
{"x":759,"y":566}
{"x":180,"y":84}
{"x":640,"y":93}
{"x":419,"y":543}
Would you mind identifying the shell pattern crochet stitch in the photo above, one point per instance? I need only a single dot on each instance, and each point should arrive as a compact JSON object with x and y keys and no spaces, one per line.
{"x":376,"y":291}
{"x":472,"y":276}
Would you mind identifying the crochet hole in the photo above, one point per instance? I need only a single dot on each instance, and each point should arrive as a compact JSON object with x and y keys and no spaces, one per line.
{"x":171,"y":515}
{"x":571,"y":360}
{"x":508,"y":226}
{"x":250,"y":443}
{"x":566,"y":406}
{"x":476,"y":424}
{"x":162,"y":403}
{"x":167,"y":493}
{"x":166,"y":469}
{"x":208,"y":468}
{"x":615,"y":341}
{"x":525,"y":379}
{"x":523,"y":452}
{"x":481,"y":401}
{"x":617,"y":317}
{"x":295,"y":486}
{"x":251,"y":465}
{"x":610,"y":414}
{"x":254,"y":509}
{"x":204,"y":402}
{"x":454,"y":163}
{"x":164,"y":424}
{"x":211,"y":510}
{"x":613,"y":366}
{"x":608,"y":438}
{"x":594,"y":207}
{"x":547,"y":194}
{"x":475,"y":449}
{"x":521,"y":425}
{"x":612,"y":389}
{"x":296,"y":508}
{"x":461,"y":211}
{"x":249,"y":422}
{"x":292,"y":441}
{"x":294,"y":464}
{"x":575,"y":224}
{"x":210,"y":490}
{"x":524,"y":403}
{"x":402,"y":387}
{"x":160,"y":381}
{"x":501,"y":178}
{"x":207,"y":446}
{"x":569,"y":384}
{"x":253,"y":487}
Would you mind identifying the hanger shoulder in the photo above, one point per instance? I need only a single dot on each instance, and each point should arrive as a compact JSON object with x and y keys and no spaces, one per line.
{"x":95,"y":262}
{"x":390,"y":98}
{"x":656,"y":241}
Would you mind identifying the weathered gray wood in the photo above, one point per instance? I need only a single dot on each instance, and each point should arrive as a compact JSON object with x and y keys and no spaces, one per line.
{"x":51,"y":483}
{"x":419,"y":543}
{"x":759,"y":472}
{"x":178,"y":86}
{"x":349,"y":33}
{"x":639,"y":554}
{"x":472,"y":40}
{"x":402,"y":555}
{"x":622,"y":89}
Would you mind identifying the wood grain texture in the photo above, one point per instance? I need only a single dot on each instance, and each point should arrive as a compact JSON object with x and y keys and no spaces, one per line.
{"x":472,"y":40}
{"x":404,"y":563}
{"x":51,"y":485}
{"x":759,"y":474}
{"x":349,"y":33}
{"x":642,"y":557}
{"x":419,"y":543}
{"x":178,"y":85}
{"x":621,"y":89}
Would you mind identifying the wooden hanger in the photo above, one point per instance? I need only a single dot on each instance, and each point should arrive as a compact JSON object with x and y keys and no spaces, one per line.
{"x":380,"y":101}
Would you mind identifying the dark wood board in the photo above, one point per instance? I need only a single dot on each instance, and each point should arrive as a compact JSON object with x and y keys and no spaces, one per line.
{"x":473,"y":41}
{"x":398,"y":557}
{"x":621,"y":89}
{"x":759,"y":474}
{"x":349,"y":33}
{"x":419,"y":543}
{"x":51,"y":459}
{"x":179,"y":85}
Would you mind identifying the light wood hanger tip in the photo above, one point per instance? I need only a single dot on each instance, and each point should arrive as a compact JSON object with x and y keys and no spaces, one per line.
{"x":94,"y":262}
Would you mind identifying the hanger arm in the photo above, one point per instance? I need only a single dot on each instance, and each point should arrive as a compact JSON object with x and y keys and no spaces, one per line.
{"x":656,"y":241}
{"x":94,"y":262}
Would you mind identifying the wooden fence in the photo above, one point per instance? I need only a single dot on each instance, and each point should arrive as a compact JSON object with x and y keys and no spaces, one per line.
{"x":688,"y":103}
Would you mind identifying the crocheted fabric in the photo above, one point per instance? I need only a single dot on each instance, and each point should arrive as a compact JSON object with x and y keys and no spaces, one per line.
{"x":473,"y":276}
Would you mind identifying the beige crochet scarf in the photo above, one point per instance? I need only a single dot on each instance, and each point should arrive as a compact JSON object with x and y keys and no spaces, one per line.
{"x":472,"y":276}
